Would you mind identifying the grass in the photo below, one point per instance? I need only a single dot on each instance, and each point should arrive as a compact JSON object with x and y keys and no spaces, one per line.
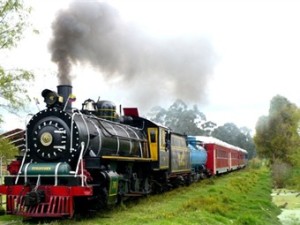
{"x":294,"y":181}
{"x":241,"y":197}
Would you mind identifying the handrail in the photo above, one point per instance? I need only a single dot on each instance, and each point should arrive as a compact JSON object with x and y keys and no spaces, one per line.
{"x":100,"y":122}
{"x":22,"y":164}
{"x":71,"y":133}
{"x":56,"y":173}
{"x":80,"y":159}
{"x":25,"y":172}
{"x":24,"y":156}
{"x":38,"y":183}
{"x":99,"y":135}
{"x":87,"y":130}
{"x":72,"y":125}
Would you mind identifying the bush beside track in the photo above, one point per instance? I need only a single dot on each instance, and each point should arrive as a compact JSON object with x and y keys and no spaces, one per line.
{"x":241,"y":197}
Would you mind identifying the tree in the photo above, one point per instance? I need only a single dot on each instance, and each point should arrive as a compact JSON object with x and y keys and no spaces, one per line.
{"x":7,"y":150}
{"x":13,"y":21}
{"x":180,"y":118}
{"x":277,"y":135}
{"x":208,"y":127}
{"x":246,"y":142}
{"x":240,"y":137}
{"x":228,"y":133}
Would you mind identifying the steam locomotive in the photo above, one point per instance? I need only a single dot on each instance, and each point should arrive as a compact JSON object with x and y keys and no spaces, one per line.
{"x":92,"y":157}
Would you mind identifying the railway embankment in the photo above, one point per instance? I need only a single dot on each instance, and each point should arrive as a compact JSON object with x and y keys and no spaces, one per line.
{"x":240,"y":198}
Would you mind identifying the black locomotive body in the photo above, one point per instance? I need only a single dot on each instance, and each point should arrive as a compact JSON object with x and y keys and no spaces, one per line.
{"x":91,"y":156}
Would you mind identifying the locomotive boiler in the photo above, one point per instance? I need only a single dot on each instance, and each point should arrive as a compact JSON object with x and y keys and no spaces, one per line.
{"x":90,"y":158}
{"x":61,"y":135}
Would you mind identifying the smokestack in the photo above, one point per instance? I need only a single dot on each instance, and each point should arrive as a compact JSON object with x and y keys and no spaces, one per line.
{"x":65,"y":91}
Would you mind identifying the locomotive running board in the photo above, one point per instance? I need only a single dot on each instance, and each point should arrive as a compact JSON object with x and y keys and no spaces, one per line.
{"x":124,"y":158}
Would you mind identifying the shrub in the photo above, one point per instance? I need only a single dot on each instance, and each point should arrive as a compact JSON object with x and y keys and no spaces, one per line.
{"x":294,"y":181}
{"x":255,"y":163}
{"x":281,"y":173}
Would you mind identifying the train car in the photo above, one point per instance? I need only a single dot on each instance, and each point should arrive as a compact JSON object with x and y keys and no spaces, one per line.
{"x":91,"y":158}
{"x":242,"y":158}
{"x":221,"y":156}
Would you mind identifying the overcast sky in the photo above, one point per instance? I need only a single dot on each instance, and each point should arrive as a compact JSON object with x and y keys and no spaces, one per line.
{"x":256,"y":43}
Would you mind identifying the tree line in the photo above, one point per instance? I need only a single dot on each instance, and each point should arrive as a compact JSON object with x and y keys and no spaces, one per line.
{"x":180,"y":118}
{"x":277,"y":135}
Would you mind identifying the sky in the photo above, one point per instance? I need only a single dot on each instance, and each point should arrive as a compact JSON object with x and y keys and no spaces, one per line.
{"x":253,"y":49}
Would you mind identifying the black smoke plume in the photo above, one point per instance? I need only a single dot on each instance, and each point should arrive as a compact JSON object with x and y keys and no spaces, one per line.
{"x":93,"y":32}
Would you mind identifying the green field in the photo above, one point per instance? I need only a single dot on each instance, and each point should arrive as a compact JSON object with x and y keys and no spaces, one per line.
{"x":241,"y":197}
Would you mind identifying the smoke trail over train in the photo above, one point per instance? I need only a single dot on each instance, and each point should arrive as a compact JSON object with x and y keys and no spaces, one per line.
{"x":94,"y":33}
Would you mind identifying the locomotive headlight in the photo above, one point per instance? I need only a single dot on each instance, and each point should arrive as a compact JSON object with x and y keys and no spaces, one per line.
{"x":51,"y":97}
{"x":46,"y":139}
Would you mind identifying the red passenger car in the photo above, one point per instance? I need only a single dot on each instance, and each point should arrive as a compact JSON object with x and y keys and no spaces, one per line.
{"x":221,"y":156}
